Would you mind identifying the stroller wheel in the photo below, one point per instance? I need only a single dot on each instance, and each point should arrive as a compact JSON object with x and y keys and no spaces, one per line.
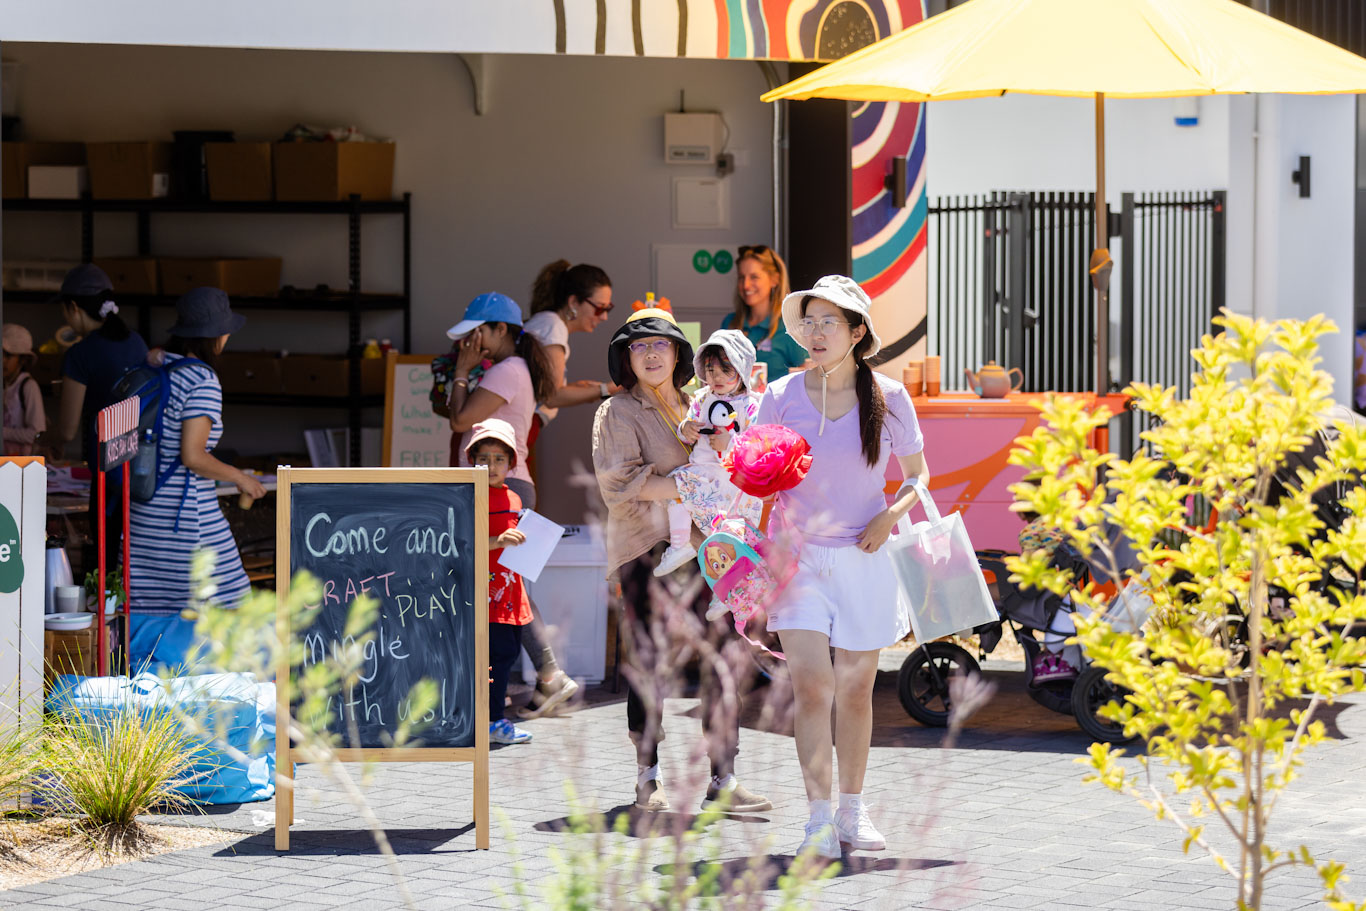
{"x":923,"y":685}
{"x":1090,"y":694}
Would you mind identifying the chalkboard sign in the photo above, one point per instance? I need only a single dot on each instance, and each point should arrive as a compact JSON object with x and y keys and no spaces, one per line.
{"x":414,"y":436}
{"x":417,"y":541}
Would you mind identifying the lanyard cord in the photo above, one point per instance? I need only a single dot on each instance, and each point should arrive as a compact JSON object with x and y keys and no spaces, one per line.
{"x":825,"y":374}
{"x":673,"y":419}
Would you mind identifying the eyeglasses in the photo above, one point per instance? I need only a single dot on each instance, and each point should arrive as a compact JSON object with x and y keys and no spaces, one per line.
{"x":826,"y":324}
{"x":658,"y":346}
{"x":600,"y":309}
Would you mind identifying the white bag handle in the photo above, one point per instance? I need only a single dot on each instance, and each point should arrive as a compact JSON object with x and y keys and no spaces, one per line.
{"x":927,"y":502}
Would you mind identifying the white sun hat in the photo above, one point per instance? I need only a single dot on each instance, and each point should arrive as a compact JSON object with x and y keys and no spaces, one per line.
{"x":839,"y":290}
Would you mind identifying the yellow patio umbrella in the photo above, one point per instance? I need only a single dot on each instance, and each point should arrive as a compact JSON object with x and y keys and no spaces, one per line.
{"x":1088,"y":48}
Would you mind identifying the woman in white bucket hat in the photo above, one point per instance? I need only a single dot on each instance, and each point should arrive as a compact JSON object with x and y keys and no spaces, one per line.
{"x":845,"y":594}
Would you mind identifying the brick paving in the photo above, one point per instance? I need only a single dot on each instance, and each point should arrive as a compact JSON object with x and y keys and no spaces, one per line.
{"x":1002,"y":821}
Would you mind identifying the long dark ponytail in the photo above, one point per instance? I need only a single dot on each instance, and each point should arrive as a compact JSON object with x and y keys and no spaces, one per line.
{"x":532,"y":351}
{"x":558,"y":280}
{"x":872,"y":407}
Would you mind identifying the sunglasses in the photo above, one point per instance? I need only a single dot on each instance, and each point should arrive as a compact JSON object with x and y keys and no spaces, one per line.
{"x":756,"y":250}
{"x":600,"y":309}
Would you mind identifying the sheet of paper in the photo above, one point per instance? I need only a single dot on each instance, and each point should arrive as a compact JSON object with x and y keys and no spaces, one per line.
{"x":529,"y":558}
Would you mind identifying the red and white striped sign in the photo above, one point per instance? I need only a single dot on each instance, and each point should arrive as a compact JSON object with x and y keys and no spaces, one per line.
{"x":117,"y":428}
{"x":118,"y":419}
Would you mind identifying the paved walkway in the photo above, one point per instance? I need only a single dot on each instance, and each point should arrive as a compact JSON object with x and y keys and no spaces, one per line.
{"x":1002,"y":821}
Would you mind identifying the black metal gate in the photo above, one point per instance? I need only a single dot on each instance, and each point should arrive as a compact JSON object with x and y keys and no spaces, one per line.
{"x":1009,"y":282}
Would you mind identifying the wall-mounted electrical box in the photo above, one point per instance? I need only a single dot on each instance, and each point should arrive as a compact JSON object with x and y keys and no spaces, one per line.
{"x":692,"y":138}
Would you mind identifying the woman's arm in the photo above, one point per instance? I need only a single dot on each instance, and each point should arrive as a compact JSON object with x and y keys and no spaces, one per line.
{"x":469,"y":409}
{"x":624,"y":477}
{"x":194,"y":437}
{"x":568,"y":394}
{"x":875,"y":534}
{"x":69,"y":420}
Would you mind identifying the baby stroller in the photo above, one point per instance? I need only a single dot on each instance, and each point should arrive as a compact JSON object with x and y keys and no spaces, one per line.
{"x":923,"y":684}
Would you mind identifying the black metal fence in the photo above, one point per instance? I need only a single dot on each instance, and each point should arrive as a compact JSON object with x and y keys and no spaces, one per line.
{"x":1009,"y":282}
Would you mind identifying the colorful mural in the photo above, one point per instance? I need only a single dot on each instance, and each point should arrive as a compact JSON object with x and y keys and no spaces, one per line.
{"x":888,"y":243}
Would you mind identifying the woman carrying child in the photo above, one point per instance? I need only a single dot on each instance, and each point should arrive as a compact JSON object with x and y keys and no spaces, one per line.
{"x":845,"y":594}
{"x":719,"y":410}
{"x":492,"y":445}
{"x":637,"y":442}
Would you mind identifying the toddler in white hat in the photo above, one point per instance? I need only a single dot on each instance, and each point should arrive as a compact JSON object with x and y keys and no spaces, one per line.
{"x":723,"y":407}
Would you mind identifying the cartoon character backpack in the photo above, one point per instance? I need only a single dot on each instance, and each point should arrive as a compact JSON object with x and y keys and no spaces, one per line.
{"x":744,"y":571}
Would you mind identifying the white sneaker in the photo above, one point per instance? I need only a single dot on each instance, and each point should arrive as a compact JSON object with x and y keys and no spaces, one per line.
{"x":820,"y":841}
{"x":675,"y":557}
{"x":856,"y":830}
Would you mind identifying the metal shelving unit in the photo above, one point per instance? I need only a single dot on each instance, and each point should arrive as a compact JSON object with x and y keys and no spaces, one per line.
{"x":352,"y":302}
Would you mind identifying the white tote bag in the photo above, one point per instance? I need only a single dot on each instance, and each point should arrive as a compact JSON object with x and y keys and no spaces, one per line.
{"x":939,"y":574}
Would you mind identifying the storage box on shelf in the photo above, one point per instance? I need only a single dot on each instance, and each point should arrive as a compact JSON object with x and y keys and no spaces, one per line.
{"x":131,"y":274}
{"x":349,"y":302}
{"x":329,"y":375}
{"x":239,"y":171}
{"x":250,"y":373}
{"x":18,"y":157}
{"x":309,"y":171}
{"x":129,"y":170}
{"x":238,"y":276}
{"x":69,"y":652}
{"x":39,"y":275}
{"x":55,"y":181}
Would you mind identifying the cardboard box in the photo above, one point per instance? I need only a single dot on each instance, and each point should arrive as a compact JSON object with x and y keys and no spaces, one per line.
{"x":316,"y":374}
{"x":254,"y":372}
{"x":313,"y":171}
{"x":238,"y":171}
{"x":238,"y":276}
{"x":129,"y":170}
{"x":372,"y":376}
{"x":131,"y":274}
{"x":17,"y":157}
{"x":69,"y":652}
{"x":55,"y":181}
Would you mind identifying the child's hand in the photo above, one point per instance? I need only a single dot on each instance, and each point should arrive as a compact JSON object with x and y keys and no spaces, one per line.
{"x":511,"y":538}
{"x":720,"y":440}
{"x":691,"y":431}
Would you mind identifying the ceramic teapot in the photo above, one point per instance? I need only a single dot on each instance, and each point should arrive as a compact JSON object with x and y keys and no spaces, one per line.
{"x":992,"y":382}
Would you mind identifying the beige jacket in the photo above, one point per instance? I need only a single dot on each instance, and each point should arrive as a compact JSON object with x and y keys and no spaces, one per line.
{"x":633,"y":440}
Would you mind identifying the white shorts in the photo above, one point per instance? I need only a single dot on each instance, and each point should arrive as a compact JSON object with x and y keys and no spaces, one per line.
{"x":851,"y":596}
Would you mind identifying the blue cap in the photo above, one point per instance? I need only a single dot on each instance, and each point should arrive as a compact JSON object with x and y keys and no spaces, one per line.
{"x":491,"y":307}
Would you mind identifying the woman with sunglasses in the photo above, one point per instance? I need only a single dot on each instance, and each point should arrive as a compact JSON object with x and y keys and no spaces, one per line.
{"x":760,"y":286}
{"x":566,"y":299}
{"x":636,"y":443}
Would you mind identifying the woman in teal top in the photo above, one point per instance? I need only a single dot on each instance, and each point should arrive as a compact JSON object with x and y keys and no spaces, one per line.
{"x":760,"y":287}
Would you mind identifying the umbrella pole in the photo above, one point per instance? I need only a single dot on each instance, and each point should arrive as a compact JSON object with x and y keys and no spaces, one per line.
{"x":1101,"y":264}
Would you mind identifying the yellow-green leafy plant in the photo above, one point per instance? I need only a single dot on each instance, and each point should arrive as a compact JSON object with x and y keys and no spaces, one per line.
{"x":1249,"y":615}
{"x":248,"y":639}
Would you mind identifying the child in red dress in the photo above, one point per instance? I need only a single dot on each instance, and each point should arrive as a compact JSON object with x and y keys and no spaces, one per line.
{"x":492,"y":446}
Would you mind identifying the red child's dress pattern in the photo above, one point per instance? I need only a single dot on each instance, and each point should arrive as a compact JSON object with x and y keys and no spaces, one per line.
{"x":507,"y":595}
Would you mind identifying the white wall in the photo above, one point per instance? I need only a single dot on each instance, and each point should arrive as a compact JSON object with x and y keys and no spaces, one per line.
{"x":1027,"y":142}
{"x":567,"y":162}
{"x":1305,"y":248}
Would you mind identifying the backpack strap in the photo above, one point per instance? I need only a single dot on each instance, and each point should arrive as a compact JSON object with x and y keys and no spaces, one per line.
{"x":164,"y":393}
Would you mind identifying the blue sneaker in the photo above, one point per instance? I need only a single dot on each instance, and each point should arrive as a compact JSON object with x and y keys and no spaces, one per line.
{"x":504,"y":731}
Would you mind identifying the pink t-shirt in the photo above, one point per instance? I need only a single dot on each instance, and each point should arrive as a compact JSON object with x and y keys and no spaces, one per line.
{"x":510,"y":380}
{"x":842,"y":493}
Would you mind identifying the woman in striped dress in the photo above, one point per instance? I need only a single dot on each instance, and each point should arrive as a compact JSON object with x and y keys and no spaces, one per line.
{"x":184,"y":515}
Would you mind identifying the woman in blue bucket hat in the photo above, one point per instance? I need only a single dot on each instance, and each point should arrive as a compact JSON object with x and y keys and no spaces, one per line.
{"x":184,"y":515}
